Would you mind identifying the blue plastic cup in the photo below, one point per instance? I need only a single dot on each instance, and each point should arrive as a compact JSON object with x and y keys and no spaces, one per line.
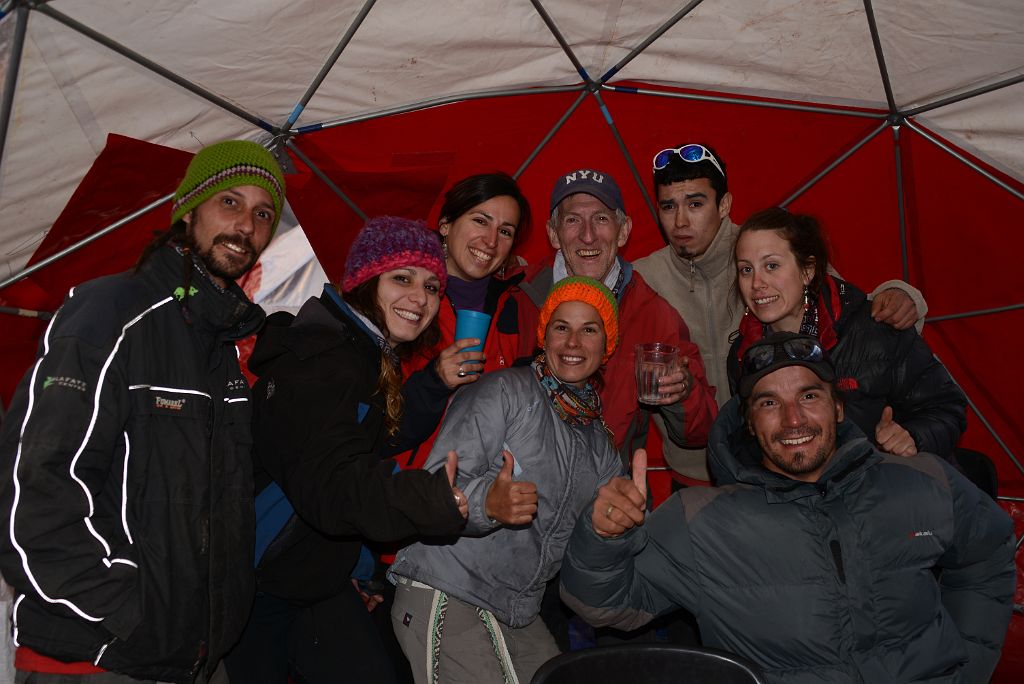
{"x":469,"y":323}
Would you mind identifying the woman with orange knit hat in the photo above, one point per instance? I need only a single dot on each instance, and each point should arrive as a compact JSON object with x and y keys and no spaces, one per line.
{"x":532,"y":451}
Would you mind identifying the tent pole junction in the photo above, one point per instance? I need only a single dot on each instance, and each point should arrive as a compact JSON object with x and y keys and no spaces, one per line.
{"x":327,"y":181}
{"x":328,"y":65}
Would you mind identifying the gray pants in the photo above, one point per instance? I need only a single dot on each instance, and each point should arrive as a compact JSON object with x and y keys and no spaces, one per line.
{"x":467,"y":652}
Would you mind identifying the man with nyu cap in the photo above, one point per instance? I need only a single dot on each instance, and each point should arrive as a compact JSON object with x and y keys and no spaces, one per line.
{"x":587,"y":226}
{"x":696,"y":273}
{"x":823,"y":560}
{"x":127,"y":486}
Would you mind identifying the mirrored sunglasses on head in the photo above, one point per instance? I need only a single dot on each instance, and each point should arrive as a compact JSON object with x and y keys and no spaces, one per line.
{"x":763,"y":354}
{"x":691,"y":153}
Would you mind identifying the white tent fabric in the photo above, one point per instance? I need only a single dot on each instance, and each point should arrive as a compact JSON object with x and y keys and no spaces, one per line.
{"x":259,"y":57}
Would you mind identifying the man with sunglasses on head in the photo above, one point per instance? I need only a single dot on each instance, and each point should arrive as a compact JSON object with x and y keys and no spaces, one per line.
{"x":823,"y":560}
{"x":695,"y":272}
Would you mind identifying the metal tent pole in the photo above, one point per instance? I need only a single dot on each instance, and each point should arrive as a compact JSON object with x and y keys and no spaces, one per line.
{"x":328,"y":65}
{"x":828,"y":169}
{"x":876,"y":41}
{"x":84,"y":241}
{"x":327,"y":181}
{"x":562,"y":42}
{"x":896,"y":119}
{"x":901,"y":202}
{"x":11,"y":80}
{"x":952,"y":99}
{"x":658,"y":32}
{"x":725,"y":99}
{"x":554,"y":129}
{"x":625,"y":153}
{"x":943,"y":146}
{"x":984,"y":421}
{"x":433,"y":102}
{"x":154,"y":67}
{"x":26,"y":313}
{"x":973,"y":314}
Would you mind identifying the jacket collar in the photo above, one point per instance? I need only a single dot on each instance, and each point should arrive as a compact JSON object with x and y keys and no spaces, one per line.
{"x":540,"y":285}
{"x":225,"y":314}
{"x":717,"y":258}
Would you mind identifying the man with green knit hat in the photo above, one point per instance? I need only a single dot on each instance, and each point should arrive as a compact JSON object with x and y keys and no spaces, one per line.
{"x":127,"y":485}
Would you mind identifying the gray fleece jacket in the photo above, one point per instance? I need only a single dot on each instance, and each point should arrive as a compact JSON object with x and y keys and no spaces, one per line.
{"x":505,"y":569}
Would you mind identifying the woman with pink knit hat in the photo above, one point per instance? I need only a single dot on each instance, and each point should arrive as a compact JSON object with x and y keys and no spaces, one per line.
{"x":533,"y":450}
{"x":328,"y":407}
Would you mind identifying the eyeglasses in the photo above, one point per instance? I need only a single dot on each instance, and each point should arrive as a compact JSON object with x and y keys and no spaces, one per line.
{"x":764,"y":354}
{"x":691,"y":153}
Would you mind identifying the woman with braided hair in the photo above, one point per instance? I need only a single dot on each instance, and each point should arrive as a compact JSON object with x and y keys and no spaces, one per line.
{"x":533,"y":449}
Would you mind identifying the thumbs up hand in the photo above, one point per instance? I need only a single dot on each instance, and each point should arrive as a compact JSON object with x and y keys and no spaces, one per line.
{"x":622,"y":503}
{"x":509,"y":501}
{"x":892,"y":438}
{"x":451,"y":469}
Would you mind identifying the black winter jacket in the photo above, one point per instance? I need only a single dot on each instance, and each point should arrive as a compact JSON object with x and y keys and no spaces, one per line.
{"x":127,"y":484}
{"x":887,"y":569}
{"x":878,"y":366}
{"x":320,"y":435}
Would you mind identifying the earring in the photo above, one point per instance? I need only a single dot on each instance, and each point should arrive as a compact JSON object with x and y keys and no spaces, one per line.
{"x":807,"y":302}
{"x":444,"y":245}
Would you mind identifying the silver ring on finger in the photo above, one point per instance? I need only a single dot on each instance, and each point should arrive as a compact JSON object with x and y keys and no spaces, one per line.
{"x":608,"y":513}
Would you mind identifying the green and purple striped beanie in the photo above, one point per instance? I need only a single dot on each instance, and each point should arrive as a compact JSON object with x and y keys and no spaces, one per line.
{"x":389,"y":242}
{"x":224,"y":165}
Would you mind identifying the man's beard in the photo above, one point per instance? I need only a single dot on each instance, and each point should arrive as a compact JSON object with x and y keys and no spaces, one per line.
{"x":225,"y":268}
{"x":802,"y":462}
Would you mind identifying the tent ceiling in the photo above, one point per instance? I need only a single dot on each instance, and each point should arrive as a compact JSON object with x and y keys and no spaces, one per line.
{"x":262,"y":55}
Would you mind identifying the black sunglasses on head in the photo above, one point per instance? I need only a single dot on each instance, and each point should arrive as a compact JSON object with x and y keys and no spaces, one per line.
{"x":763,"y":354}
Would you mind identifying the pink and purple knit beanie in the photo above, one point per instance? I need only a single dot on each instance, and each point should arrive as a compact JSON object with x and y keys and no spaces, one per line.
{"x":389,"y":242}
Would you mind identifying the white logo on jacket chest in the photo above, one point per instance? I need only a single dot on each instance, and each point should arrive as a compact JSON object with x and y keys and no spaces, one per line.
{"x":170,"y":404}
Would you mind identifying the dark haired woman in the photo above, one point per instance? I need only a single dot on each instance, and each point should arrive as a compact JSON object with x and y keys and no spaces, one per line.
{"x":329,"y":405}
{"x":482,"y":218}
{"x":892,"y":386}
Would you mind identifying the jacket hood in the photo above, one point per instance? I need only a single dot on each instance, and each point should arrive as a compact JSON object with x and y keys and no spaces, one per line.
{"x":734,"y":456}
{"x":322,"y":323}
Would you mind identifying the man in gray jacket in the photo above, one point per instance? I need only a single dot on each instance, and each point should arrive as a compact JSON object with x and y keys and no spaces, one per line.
{"x":696,"y":274}
{"x":823,"y":560}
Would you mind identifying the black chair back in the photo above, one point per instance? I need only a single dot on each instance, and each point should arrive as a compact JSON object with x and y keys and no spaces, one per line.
{"x":648,"y":664}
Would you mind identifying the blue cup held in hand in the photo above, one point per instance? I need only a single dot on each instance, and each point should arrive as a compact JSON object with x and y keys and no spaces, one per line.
{"x":470,"y":323}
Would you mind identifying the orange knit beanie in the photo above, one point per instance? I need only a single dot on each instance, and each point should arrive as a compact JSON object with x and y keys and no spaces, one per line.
{"x":590,"y":291}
